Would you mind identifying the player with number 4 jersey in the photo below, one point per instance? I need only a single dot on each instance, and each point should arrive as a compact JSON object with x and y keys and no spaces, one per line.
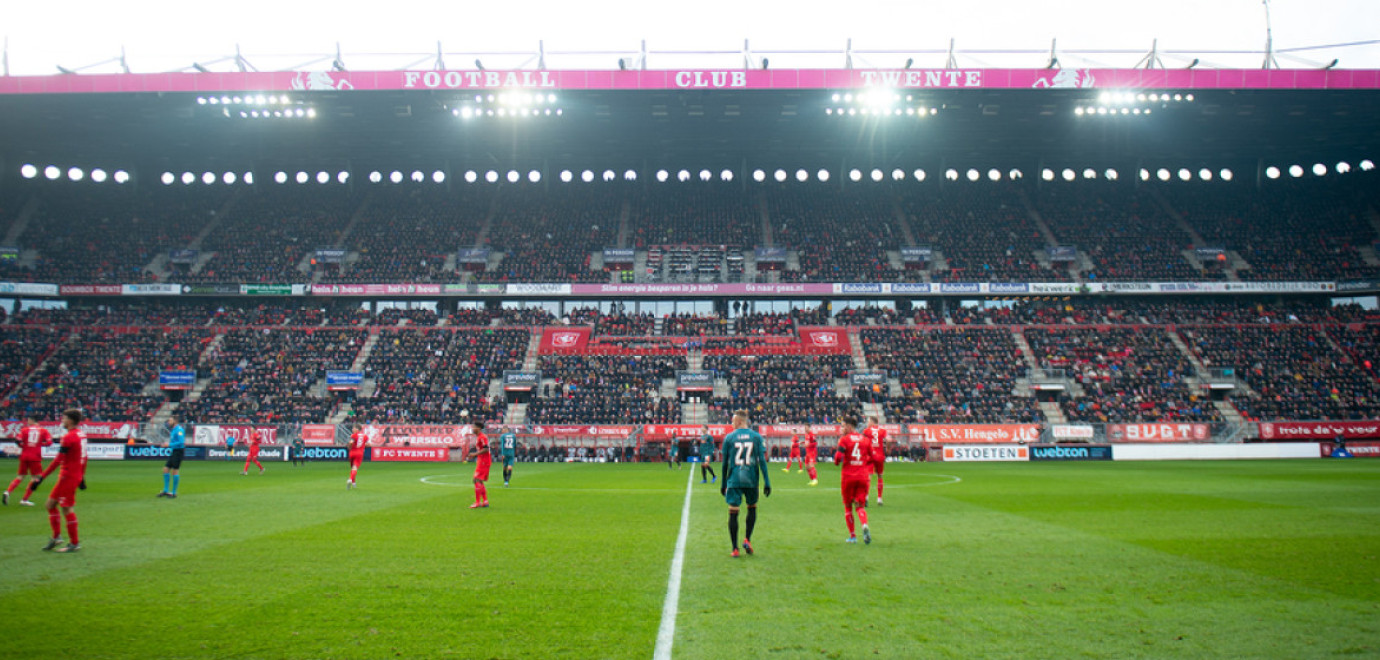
{"x":854,"y":455}
{"x":745,"y":456}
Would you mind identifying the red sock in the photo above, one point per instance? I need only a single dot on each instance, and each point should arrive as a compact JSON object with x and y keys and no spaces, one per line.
{"x":862,"y":515}
{"x":353,"y":471}
{"x":483,"y":493}
{"x":848,"y":516}
{"x":14,"y":484}
{"x":477,"y":487}
{"x":813,"y":475}
{"x":879,"y":486}
{"x":72,"y":527}
{"x":246,"y":465}
{"x":259,"y":465}
{"x":55,"y":521}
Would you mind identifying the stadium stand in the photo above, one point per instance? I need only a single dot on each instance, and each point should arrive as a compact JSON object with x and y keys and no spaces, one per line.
{"x":552,"y":237}
{"x":1124,"y":233}
{"x":961,"y":376}
{"x":983,"y":232}
{"x":267,"y":235}
{"x":428,"y":376}
{"x":622,"y":389}
{"x":840,"y":236}
{"x":407,"y":235}
{"x":782,"y":388}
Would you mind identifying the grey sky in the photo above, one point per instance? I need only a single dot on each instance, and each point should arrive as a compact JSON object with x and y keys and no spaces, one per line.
{"x":163,"y":35}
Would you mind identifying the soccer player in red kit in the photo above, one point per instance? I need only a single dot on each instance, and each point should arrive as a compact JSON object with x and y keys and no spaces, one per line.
{"x":811,"y":456}
{"x":63,"y":500}
{"x":256,"y":438}
{"x":854,"y":453}
{"x":32,"y":439}
{"x":795,"y":455}
{"x":877,"y":435}
{"x":480,"y":452}
{"x":358,"y":440}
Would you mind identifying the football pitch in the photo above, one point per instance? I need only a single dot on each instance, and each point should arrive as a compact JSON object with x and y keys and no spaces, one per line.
{"x":1267,"y":559}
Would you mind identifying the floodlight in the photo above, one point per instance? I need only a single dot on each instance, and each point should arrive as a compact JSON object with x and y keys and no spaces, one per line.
{"x":122,"y":176}
{"x":855,"y":175}
{"x":303,"y":177}
{"x":974,"y":175}
{"x":1078,"y":111}
{"x":98,"y":175}
{"x":75,"y":174}
{"x":1069,"y":174}
{"x":876,"y":175}
{"x":1047,"y":174}
{"x":1205,"y":174}
{"x":1144,"y":174}
{"x":438,"y":176}
{"x":280,"y":177}
{"x":1319,"y":169}
{"x":208,"y":178}
{"x":395,"y":177}
{"x":1343,"y":167}
{"x":1184,"y":174}
{"x":342,"y":177}
{"x":1296,"y":171}
{"x":1225,"y":174}
{"x":471,"y":176}
{"x":662,"y":175}
{"x":323,"y":178}
{"x":1162,"y":174}
{"x":726,"y":175}
{"x":52,"y":172}
{"x":802,"y":176}
{"x":780,"y":175}
{"x":167,"y":178}
{"x":609,"y":175}
{"x":375,"y":177}
{"x":1111,"y":174}
{"x":534,"y":176}
{"x":513,"y":176}
{"x":188,"y":178}
{"x":951,"y":174}
{"x":1089,"y":173}
{"x":759,"y":176}
{"x":1367,"y":165}
{"x":588,"y":176}
{"x":898,"y":174}
{"x":491,"y":176}
{"x":706,"y":175}
{"x":822,"y":175}
{"x":919,"y":175}
{"x":1272,"y":172}
{"x":28,"y":171}
{"x":631,"y":175}
{"x":567,"y":176}
{"x":1015,"y":175}
{"x":417,"y":176}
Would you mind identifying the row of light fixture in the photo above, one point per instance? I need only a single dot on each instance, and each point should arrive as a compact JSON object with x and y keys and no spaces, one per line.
{"x":250,"y":99}
{"x":53,"y":173}
{"x":1121,"y":104}
{"x":877,"y":103}
{"x":1319,"y":169}
{"x":509,"y":104}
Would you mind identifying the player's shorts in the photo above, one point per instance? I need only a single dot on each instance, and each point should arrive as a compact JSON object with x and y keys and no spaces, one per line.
{"x":356,"y":459}
{"x":855,"y":490}
{"x":508,"y":461}
{"x":34,"y":468}
{"x":810,"y":461}
{"x":879,"y":467}
{"x":481,"y":469}
{"x":795,"y":455}
{"x":175,"y":460}
{"x":735,"y":496}
{"x":65,"y":492}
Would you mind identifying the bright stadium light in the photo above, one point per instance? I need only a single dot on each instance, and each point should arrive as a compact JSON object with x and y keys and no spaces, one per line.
{"x":76,"y":174}
{"x":228,"y":178}
{"x":1111,"y":174}
{"x":1225,"y":174}
{"x":974,"y":175}
{"x":588,"y":176}
{"x":1319,"y":169}
{"x":1367,"y":165}
{"x":610,"y":176}
{"x":951,"y":174}
{"x":759,"y":176}
{"x":1205,"y":174}
{"x":876,"y":175}
{"x":1047,"y":174}
{"x":1184,"y":174}
{"x":514,"y":177}
{"x":663,"y":175}
{"x":1296,"y":171}
{"x":898,"y":175}
{"x":208,"y":178}
{"x":1015,"y":175}
{"x":395,"y":177}
{"x":168,"y":178}
{"x":994,"y":174}
{"x":303,"y":177}
{"x":779,"y":175}
{"x":855,"y":175}
{"x":683,"y":176}
{"x":51,"y":172}
{"x":98,"y":175}
{"x":706,"y":175}
{"x":1162,"y":174}
{"x":567,"y":176}
{"x":1343,"y":167}
{"x":188,"y":178}
{"x":822,"y":175}
{"x":1272,"y":172}
{"x":1069,"y":174}
{"x":280,"y":177}
{"x":323,"y":177}
{"x":375,"y":176}
{"x":471,"y":176}
{"x":417,"y":176}
{"x":122,"y":176}
{"x":342,"y":177}
{"x":631,"y":175}
{"x":802,"y":176}
{"x":438,"y":176}
{"x":28,"y":171}
{"x":919,"y":175}
{"x":1144,"y":174}
{"x":491,"y":176}
{"x":534,"y":176}
{"x":1089,"y":173}
{"x":726,"y":175}
{"x":1078,"y":111}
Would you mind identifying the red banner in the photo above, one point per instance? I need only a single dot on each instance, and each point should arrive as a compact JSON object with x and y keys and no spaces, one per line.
{"x":602,"y":431}
{"x":318,"y":435}
{"x":409,"y":454}
{"x":1318,"y":430}
{"x":1360,"y":449}
{"x":93,"y":430}
{"x":418,"y":435}
{"x":90,"y":290}
{"x":787,"y":430}
{"x":664,"y":431}
{"x":971,"y":433}
{"x":825,"y":340}
{"x":564,"y":340}
{"x":1157,"y":432}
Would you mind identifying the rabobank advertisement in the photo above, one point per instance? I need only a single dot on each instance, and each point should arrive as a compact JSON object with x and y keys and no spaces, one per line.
{"x":1071,"y":452}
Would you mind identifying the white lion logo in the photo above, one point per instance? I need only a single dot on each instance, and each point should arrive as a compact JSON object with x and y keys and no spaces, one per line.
{"x":318,"y":81}
{"x":1068,"y":78}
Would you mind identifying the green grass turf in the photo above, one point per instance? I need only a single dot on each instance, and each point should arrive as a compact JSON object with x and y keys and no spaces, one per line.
{"x":1269,"y":559}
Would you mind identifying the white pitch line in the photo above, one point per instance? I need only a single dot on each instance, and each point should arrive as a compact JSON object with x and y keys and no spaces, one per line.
{"x":666,"y":634}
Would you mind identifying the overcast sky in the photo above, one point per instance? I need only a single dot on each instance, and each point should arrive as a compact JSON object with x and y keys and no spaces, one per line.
{"x":164,"y":35}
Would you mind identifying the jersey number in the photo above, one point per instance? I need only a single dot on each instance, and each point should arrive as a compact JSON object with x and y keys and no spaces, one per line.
{"x":743,"y":455}
{"x":856,"y":453}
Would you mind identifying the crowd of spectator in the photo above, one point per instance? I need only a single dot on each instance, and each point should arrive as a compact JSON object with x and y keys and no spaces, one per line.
{"x":267,"y":235}
{"x":1126,"y":374}
{"x":839,"y":236}
{"x":552,"y":237}
{"x":271,"y":375}
{"x":432,"y":376}
{"x":406,"y":234}
{"x":625,"y":324}
{"x":1124,"y":233}
{"x":622,"y":389}
{"x":21,"y":349}
{"x":414,"y":317}
{"x":782,"y":388}
{"x":983,"y":232}
{"x":687,"y":324}
{"x":951,"y":375}
{"x":694,"y":215}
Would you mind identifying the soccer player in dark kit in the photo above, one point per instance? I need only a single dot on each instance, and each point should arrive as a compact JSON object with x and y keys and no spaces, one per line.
{"x":745,"y":456}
